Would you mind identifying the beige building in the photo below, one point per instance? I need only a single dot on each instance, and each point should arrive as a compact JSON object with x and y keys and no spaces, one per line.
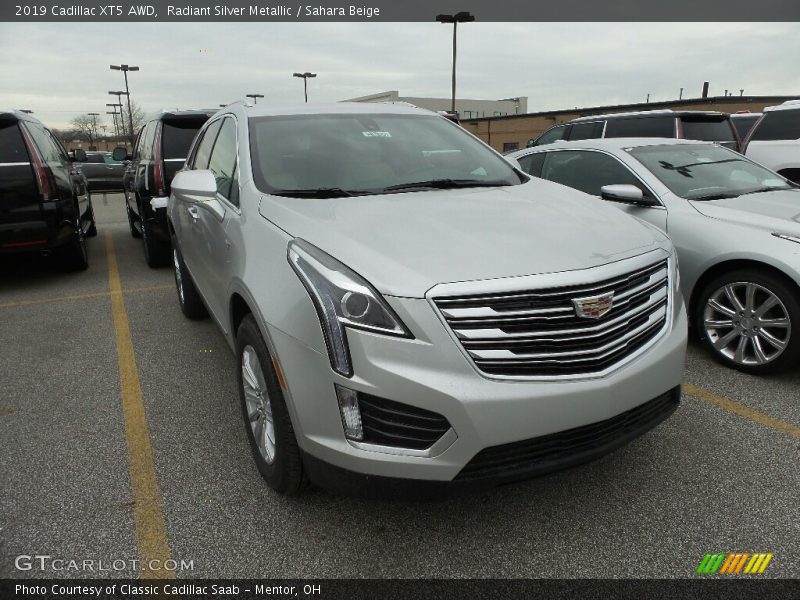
{"x":505,"y":133}
{"x":467,"y":109}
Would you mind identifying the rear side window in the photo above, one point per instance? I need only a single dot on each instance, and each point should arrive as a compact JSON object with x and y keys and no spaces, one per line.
{"x":49,"y":152}
{"x":778,"y":125}
{"x":707,"y":130}
{"x":12,"y":146}
{"x":641,"y":127}
{"x":532,"y":164}
{"x":177,"y":136}
{"x":586,"y":131}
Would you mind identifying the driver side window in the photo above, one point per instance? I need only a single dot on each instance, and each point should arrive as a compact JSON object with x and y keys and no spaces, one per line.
{"x":588,"y":171}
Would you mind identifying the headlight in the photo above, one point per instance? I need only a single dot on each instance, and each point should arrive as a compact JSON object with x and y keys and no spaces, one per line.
{"x":786,"y":236}
{"x":342,"y":299}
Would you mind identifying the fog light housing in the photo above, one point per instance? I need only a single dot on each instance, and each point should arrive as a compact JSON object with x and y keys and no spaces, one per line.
{"x":350,"y":413}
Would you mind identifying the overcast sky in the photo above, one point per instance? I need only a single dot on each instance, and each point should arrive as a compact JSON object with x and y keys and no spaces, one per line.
{"x":60,"y":70}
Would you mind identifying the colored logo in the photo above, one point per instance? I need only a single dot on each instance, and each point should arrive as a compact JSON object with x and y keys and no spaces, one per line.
{"x":593,"y":307}
{"x":734,"y":563}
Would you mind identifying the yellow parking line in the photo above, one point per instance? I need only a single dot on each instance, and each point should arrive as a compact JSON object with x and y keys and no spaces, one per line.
{"x":152,"y":288}
{"x":151,"y":530}
{"x":744,"y":411}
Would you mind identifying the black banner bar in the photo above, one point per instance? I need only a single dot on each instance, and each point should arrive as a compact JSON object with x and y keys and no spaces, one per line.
{"x":400,"y":589}
{"x":400,"y":10}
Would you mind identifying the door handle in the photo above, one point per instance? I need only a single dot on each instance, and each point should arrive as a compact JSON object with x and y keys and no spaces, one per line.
{"x":192,"y":210}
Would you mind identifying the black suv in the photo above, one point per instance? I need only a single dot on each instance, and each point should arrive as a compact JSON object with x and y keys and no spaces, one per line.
{"x":160,"y":152}
{"x":44,"y":200}
{"x":708,"y":126}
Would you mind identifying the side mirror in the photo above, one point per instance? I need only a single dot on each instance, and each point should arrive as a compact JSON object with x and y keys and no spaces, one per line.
{"x":625,"y":193}
{"x":119,"y":154}
{"x":200,"y":188}
{"x":79,"y":155}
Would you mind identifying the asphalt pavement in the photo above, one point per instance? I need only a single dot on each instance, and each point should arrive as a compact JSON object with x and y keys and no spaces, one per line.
{"x":80,"y":482}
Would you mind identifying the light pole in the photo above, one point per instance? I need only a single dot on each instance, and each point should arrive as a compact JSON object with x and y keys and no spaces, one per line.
{"x":122,"y":126}
{"x":94,"y":129}
{"x":116,"y":127}
{"x":255,"y":97}
{"x":125,"y":69}
{"x":461,"y":17}
{"x":305,"y":77}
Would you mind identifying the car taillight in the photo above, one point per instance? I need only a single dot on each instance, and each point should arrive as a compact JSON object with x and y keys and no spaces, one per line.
{"x":158,"y":167}
{"x":44,"y":176}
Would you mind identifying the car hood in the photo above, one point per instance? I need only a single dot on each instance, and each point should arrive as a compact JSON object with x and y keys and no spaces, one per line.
{"x":406,"y":243}
{"x":778,"y":211}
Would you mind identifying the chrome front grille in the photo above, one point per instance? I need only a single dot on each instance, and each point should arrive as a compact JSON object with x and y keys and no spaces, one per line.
{"x":536,"y":333}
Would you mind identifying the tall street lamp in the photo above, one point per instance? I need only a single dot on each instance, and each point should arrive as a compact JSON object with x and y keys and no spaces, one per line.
{"x":305,"y":77}
{"x":461,"y":17}
{"x":114,"y":106}
{"x":122,"y":125}
{"x":255,"y":97}
{"x":125,"y":69}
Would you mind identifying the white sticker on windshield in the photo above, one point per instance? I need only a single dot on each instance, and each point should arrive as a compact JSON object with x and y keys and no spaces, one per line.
{"x":376,"y":134}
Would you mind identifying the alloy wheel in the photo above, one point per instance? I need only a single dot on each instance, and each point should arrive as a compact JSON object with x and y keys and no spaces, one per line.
{"x":259,"y":408}
{"x":747,"y":323}
{"x":178,"y":276}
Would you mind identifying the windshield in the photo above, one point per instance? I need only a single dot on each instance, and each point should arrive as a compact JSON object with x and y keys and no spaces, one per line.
{"x":706,"y":172}
{"x":328,"y":155}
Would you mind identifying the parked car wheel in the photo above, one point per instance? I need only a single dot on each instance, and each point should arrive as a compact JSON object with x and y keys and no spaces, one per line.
{"x":132,"y":222}
{"x":269,"y":428}
{"x":156,"y":252}
{"x":750,"y":321}
{"x":188,"y":297}
{"x":74,"y":256}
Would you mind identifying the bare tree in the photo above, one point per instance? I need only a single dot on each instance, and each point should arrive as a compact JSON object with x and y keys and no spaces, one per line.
{"x":86,"y":127}
{"x":139,"y":119}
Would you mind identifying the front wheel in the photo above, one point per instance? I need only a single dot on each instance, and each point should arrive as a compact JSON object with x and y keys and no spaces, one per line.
{"x":750,"y":321}
{"x":266,"y":418}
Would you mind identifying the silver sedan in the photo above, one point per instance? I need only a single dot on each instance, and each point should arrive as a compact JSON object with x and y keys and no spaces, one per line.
{"x":735,"y":224}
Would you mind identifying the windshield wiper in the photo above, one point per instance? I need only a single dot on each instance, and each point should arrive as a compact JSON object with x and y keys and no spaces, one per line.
{"x":717,"y":196}
{"x":766,"y":189}
{"x":444,"y":184}
{"x":332,"y":192}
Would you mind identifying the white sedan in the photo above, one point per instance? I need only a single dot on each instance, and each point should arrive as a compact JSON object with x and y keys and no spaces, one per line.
{"x":735,"y":224}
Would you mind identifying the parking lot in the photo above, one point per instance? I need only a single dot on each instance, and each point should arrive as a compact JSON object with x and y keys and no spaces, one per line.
{"x":87,"y":475}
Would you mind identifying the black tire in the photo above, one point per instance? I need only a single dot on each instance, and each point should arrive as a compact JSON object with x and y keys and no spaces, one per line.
{"x":188,"y":297}
{"x":156,"y":252}
{"x":132,"y":222}
{"x":285,"y":473}
{"x":754,"y":331}
{"x":74,"y":255}
{"x":92,"y":231}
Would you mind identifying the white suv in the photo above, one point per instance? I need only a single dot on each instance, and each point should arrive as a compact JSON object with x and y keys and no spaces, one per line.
{"x":774,"y":140}
{"x":404,"y":304}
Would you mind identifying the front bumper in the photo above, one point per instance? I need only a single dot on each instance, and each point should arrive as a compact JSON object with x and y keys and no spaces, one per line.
{"x":430,"y":372}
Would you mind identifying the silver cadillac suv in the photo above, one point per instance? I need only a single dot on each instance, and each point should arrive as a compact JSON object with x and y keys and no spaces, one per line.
{"x":406,"y":305}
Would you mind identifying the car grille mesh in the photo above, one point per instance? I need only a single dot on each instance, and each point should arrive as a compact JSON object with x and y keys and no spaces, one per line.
{"x":389,"y":423}
{"x":537,"y":333}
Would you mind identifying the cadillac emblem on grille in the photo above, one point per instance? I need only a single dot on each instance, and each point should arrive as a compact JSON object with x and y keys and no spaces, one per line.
{"x":593,"y":307}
